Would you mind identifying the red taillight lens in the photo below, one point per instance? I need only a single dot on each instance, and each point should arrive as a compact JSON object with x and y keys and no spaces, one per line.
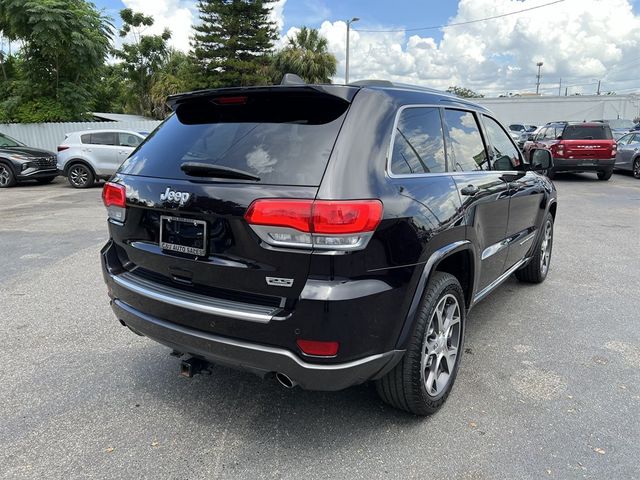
{"x":114,"y":195}
{"x":346,"y":217}
{"x":281,"y":213}
{"x":238,"y":100}
{"x":323,"y":224}
{"x":318,"y":349}
{"x":62,"y":148}
{"x":614,"y":149}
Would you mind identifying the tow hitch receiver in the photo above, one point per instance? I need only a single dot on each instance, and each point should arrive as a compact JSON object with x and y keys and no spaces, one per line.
{"x":193,"y":366}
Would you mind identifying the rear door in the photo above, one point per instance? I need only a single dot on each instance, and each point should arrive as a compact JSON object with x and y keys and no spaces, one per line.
{"x":525,"y":191}
{"x":484,"y":194}
{"x":627,"y":147}
{"x":188,"y":230}
{"x":103,"y":152}
{"x":588,"y":143}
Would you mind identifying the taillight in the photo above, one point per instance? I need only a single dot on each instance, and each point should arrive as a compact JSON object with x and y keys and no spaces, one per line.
{"x":114,"y":197}
{"x":614,"y":149}
{"x":62,"y":148}
{"x":558,"y":151}
{"x":321,"y":224}
{"x":318,"y":349}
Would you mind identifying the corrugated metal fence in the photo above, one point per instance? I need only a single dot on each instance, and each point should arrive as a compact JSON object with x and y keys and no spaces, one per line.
{"x":50,"y":135}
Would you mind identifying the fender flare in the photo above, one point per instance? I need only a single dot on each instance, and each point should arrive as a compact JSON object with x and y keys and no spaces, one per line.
{"x":74,"y":161}
{"x":428,"y":269}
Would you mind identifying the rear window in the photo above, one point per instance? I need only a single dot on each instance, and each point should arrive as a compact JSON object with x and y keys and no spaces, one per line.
{"x":587,"y":132}
{"x":284,"y":139}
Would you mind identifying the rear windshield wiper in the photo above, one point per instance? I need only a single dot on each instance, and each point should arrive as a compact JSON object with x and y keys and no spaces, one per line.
{"x":197,"y":169}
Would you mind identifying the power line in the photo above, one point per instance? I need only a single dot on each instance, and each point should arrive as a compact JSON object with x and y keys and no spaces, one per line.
{"x":437,"y":27}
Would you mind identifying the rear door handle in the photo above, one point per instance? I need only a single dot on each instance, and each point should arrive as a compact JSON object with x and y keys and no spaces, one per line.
{"x":469,"y":190}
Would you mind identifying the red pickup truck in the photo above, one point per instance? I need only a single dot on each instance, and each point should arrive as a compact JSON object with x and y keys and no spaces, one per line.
{"x":577,"y":147}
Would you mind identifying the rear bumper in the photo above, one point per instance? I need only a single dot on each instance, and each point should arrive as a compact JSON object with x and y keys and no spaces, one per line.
{"x":259,"y":359}
{"x":583,"y":165}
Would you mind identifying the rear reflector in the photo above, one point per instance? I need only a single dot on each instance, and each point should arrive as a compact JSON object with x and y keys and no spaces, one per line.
{"x":323,"y":224}
{"x":114,"y":197}
{"x":318,"y":349}
{"x":62,"y":148}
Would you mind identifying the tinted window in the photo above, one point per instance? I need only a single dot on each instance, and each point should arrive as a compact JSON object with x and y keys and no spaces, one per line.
{"x":516,"y":128}
{"x":465,"y":147}
{"x":587,"y":132}
{"x":128,"y":139}
{"x":9,"y":142}
{"x":418,"y":146}
{"x":505,"y":155}
{"x":86,"y":138}
{"x":103,"y":138}
{"x":285,"y":139}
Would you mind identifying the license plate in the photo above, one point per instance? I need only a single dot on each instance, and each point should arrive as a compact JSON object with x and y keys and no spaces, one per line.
{"x":183,"y":235}
{"x":586,"y":163}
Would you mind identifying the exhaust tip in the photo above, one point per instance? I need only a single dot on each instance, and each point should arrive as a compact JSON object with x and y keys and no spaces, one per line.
{"x":285,"y":381}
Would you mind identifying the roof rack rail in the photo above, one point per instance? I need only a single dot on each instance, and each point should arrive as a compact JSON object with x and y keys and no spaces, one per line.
{"x":387,"y":83}
{"x":292,"y":79}
{"x":372,"y":83}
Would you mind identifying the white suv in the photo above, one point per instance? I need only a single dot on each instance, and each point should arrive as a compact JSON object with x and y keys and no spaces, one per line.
{"x":84,"y":157}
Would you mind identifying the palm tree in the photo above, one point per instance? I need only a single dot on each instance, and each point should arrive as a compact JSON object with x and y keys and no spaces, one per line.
{"x":307,"y":55}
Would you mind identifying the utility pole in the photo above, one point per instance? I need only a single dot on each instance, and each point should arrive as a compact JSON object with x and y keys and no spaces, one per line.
{"x":539,"y":65}
{"x":346,"y":69}
{"x":560,"y":88}
{"x":566,"y":91}
{"x":598,"y":87}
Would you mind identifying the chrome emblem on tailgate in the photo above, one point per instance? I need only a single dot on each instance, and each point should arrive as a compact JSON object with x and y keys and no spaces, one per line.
{"x":279,"y":282}
{"x":170,"y":195}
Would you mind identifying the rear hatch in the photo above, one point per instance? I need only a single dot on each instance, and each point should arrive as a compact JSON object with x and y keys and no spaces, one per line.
{"x":185,"y":226}
{"x":587,"y":142}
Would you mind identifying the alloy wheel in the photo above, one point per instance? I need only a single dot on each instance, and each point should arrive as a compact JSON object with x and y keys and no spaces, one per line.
{"x":545,"y":248}
{"x":636,"y":168}
{"x":79,"y":175}
{"x":5,"y":176}
{"x":441,"y":344}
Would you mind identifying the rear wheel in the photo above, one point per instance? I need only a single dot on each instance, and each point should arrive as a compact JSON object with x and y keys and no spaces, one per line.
{"x":636,"y":168}
{"x":45,"y":180}
{"x":423,"y":379}
{"x":538,"y":267}
{"x":605,"y":175}
{"x":80,"y":176}
{"x":7,"y":178}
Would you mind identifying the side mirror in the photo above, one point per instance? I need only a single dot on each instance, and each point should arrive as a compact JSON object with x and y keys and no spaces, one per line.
{"x":541,"y":159}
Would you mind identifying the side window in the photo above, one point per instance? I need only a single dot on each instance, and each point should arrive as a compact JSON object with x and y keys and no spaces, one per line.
{"x":540,"y":134}
{"x":418,"y":145}
{"x":550,"y":134}
{"x":86,"y":138}
{"x":636,"y":138}
{"x":465,"y":146}
{"x":516,"y":128}
{"x":626,"y":139}
{"x":103,"y":138}
{"x":128,"y":139}
{"x":505,"y":155}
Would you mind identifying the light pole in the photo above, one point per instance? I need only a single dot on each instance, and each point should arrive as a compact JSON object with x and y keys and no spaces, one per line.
{"x":346,"y":70}
{"x":539,"y":64}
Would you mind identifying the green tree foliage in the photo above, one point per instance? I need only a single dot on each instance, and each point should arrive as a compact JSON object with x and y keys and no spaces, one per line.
{"x":142,"y":58}
{"x":175,"y":76}
{"x":233,"y":41}
{"x":63,"y":46}
{"x":306,"y":55}
{"x":464,"y":92}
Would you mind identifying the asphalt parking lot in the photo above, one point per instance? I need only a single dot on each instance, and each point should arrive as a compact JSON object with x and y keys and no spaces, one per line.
{"x":549,"y":386}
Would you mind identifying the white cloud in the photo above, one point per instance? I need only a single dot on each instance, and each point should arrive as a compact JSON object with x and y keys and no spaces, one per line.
{"x":580,"y":41}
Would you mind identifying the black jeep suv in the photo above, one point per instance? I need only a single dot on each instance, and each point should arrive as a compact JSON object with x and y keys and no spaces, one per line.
{"x":326,"y":235}
{"x":20,"y":163}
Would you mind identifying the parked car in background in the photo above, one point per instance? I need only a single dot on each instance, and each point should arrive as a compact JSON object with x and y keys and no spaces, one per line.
{"x":238,"y":233}
{"x":527,"y":136}
{"x":618,"y":126}
{"x":20,"y":163}
{"x":636,"y":127}
{"x":88,"y":156}
{"x":577,"y":147}
{"x":516,"y":129}
{"x":628,"y":156}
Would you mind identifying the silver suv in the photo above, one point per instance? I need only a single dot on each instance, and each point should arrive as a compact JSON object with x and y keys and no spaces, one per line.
{"x":84,"y":157}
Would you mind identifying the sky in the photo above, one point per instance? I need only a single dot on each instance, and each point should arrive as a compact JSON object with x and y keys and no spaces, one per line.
{"x":579,"y":42}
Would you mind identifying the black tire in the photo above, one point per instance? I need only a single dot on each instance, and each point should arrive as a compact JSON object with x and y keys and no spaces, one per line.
{"x":7,"y":177}
{"x":45,"y":180}
{"x":536,"y":271}
{"x":405,"y":387}
{"x":80,"y":176}
{"x":605,"y":175}
{"x":636,"y":168}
